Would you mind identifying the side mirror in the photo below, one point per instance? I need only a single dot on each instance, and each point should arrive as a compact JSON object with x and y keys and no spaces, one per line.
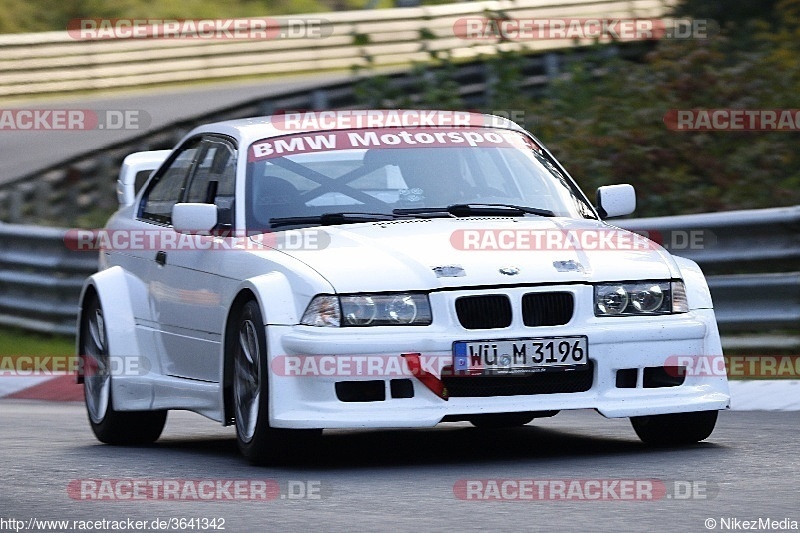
{"x":616,"y":200}
{"x":194,"y":218}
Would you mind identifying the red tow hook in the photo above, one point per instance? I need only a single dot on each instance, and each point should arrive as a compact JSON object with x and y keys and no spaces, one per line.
{"x":433,"y":383}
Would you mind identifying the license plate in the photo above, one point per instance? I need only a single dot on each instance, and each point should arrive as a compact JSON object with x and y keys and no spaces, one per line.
{"x":512,"y":356}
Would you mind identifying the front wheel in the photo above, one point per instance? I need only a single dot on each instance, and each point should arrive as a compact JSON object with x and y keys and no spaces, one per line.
{"x":109,"y":426}
{"x":675,"y":429}
{"x":258,"y":442}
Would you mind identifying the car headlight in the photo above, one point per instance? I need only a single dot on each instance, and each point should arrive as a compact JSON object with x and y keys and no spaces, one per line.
{"x":324,"y":310}
{"x":640,"y":298}
{"x":368,"y":310}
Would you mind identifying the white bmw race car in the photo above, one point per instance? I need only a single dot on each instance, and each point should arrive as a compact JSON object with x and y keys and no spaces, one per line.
{"x":383,"y":269}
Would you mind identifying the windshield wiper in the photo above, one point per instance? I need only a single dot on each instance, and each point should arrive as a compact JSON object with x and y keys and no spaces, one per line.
{"x":473,"y":209}
{"x":456,"y":210}
{"x":330,"y":219}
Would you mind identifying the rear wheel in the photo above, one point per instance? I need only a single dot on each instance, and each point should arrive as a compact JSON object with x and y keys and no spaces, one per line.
{"x":109,"y":426}
{"x":258,"y":442}
{"x":674,"y":429}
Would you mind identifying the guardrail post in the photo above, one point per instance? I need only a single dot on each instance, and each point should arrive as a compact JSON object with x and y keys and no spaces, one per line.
{"x":41,"y":199}
{"x":72,"y":181}
{"x":552,"y":66}
{"x":490,"y":80}
{"x":319,"y":99}
{"x":15,"y":199}
{"x":266,"y":107}
{"x":102,"y":194}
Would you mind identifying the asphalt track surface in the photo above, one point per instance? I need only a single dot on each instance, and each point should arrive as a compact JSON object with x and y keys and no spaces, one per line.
{"x":25,"y":151}
{"x":403,"y":480}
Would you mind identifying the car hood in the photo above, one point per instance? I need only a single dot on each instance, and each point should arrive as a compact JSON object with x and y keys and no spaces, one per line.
{"x":427,"y":254}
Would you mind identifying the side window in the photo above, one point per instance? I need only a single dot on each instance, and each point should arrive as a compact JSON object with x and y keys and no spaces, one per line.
{"x":214,"y":177}
{"x":167,"y":188}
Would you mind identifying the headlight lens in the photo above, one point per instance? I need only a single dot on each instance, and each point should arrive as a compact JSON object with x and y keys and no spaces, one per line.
{"x":359,"y":310}
{"x":402,"y":310}
{"x":610,"y":299}
{"x":640,"y":298}
{"x":647,"y":297}
{"x":369,"y":310}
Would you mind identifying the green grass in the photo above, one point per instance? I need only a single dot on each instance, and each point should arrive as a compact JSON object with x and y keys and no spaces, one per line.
{"x":16,"y":342}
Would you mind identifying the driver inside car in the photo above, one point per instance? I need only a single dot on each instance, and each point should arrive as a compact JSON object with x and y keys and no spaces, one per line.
{"x":431,"y":180}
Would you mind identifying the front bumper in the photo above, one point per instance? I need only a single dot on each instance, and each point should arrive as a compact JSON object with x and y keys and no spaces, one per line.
{"x":310,"y":401}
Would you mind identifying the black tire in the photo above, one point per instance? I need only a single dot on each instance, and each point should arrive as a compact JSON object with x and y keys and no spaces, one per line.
{"x":258,"y":442}
{"x":678,"y":429}
{"x":501,"y":420}
{"x":132,"y":428}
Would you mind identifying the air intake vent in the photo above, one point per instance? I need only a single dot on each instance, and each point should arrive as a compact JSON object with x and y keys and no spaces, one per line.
{"x":579,"y":380}
{"x":547,"y":308}
{"x":484,"y":312}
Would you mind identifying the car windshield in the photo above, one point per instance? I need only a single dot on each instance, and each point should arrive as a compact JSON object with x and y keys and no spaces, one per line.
{"x":392,"y":170}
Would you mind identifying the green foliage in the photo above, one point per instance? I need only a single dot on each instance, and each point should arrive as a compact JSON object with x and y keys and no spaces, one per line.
{"x":734,"y":16}
{"x":605,"y":119}
{"x":19,"y":15}
{"x":504,"y":80}
{"x":610,"y":129}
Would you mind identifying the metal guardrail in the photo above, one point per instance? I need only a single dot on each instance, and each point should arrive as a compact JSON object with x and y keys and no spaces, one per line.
{"x":762,"y":301}
{"x":765,"y":243}
{"x":61,"y":193}
{"x":59,"y":62}
{"x":746,"y":239}
{"x":40,"y":277}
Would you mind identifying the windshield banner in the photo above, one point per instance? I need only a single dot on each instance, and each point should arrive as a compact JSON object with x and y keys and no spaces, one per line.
{"x":387,"y":138}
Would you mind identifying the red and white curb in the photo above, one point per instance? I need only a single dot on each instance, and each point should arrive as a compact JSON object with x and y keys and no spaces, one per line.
{"x":47,"y":388}
{"x":746,"y":395}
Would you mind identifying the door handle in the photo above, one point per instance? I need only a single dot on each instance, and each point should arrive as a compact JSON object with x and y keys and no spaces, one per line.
{"x":161,"y":258}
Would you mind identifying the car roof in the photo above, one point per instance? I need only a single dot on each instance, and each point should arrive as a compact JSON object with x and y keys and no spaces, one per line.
{"x":249,"y":130}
